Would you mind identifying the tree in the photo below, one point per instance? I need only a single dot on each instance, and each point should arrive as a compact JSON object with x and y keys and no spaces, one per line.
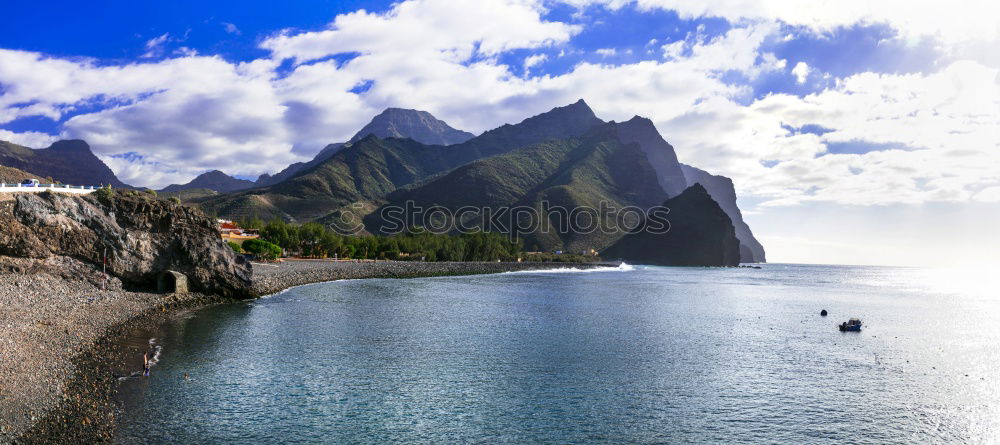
{"x":262,"y":249}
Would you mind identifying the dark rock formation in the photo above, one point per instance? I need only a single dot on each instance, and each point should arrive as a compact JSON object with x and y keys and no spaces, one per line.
{"x":723,"y":192}
{"x":67,"y":235}
{"x":418,"y":125}
{"x":701,"y":234}
{"x":213,"y":180}
{"x":70,"y":162}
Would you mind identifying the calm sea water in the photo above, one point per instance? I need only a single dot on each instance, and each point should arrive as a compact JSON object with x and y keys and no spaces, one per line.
{"x":639,"y":355}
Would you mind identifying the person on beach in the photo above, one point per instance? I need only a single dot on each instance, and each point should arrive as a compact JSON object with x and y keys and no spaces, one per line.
{"x":145,"y":364}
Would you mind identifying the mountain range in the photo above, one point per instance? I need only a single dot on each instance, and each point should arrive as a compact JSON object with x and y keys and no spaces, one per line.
{"x":564,"y":158}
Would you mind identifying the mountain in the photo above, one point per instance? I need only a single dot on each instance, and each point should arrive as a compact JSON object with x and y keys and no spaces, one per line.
{"x":213,"y":180}
{"x":700,"y":234}
{"x":575,"y":174}
{"x":10,"y":175}
{"x":291,"y":170}
{"x":365,"y":171}
{"x":418,"y":125}
{"x":660,"y":154}
{"x":69,"y":161}
{"x":723,"y":192}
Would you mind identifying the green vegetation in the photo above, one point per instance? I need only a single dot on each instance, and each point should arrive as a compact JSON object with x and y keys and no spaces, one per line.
{"x":262,"y":249}
{"x":313,"y":240}
{"x":369,"y":169}
{"x":104,"y":193}
{"x":175,"y":200}
{"x":236,"y":247}
{"x":150,"y":191}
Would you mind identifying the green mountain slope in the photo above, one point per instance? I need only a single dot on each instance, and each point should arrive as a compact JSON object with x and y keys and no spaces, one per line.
{"x":577,"y":173}
{"x":369,"y":169}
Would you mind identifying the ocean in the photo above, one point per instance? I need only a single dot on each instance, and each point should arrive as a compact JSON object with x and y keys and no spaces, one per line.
{"x":629,"y":354}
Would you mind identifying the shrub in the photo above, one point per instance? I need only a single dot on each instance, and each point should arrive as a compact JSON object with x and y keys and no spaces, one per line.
{"x":236,"y":247}
{"x":150,"y":191}
{"x":175,"y":200}
{"x":262,"y":249}
{"x":104,"y":193}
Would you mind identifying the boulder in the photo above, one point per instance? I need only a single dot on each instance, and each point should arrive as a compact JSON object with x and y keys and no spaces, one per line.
{"x":135,"y":237}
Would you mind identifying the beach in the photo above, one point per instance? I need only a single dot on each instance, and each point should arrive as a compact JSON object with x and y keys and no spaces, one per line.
{"x":60,"y":339}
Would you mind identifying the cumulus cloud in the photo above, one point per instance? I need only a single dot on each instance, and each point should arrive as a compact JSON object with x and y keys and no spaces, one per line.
{"x":428,"y":28}
{"x":31,"y":139}
{"x":801,"y":72}
{"x":533,"y":60}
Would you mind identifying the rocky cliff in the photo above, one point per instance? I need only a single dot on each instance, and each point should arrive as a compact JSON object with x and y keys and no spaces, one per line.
{"x":700,"y":234}
{"x":723,"y":192}
{"x":68,"y":235}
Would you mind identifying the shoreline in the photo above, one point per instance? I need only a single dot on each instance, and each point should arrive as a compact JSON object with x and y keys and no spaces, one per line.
{"x":80,"y":405}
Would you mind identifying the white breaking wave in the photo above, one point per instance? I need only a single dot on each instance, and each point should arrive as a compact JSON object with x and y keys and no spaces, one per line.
{"x":623,"y":267}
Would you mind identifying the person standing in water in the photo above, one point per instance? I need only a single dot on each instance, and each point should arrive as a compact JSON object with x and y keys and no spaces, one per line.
{"x":145,"y":364}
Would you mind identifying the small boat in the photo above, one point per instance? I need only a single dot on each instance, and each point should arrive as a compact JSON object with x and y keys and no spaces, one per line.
{"x":852,"y":325}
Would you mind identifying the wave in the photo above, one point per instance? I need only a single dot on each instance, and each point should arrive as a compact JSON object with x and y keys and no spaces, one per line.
{"x":623,"y":267}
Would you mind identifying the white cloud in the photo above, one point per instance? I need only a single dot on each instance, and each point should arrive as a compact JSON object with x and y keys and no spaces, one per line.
{"x":31,"y":139}
{"x":194,"y":113}
{"x":989,"y":194}
{"x":801,"y":72}
{"x":533,"y":60}
{"x":428,"y":28}
{"x":154,"y":46}
{"x":958,"y":23}
{"x":605,"y":52}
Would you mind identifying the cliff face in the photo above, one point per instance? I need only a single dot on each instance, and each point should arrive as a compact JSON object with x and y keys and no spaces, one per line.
{"x":701,"y":234}
{"x":66,"y":235}
{"x":723,"y":192}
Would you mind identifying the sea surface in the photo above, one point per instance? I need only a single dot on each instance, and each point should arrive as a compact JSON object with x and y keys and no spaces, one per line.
{"x":631,"y":354}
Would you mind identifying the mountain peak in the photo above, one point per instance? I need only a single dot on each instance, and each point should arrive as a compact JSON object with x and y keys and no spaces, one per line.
{"x":212,"y":180}
{"x":70,"y":145}
{"x":418,"y":125}
{"x":579,"y":108}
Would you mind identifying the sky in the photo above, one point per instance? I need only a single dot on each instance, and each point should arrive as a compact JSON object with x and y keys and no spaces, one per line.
{"x":856,"y":132}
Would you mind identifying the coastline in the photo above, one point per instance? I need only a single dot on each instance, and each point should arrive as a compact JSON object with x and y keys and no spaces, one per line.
{"x":65,"y":338}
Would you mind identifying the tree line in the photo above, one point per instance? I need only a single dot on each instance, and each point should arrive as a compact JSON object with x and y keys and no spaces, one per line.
{"x":314,"y":240}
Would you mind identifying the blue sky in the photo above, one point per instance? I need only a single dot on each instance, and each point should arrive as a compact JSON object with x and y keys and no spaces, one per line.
{"x":868,"y":105}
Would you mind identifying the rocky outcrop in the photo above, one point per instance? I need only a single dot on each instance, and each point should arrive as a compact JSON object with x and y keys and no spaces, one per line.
{"x":700,"y":234}
{"x":723,"y":192}
{"x":67,"y":236}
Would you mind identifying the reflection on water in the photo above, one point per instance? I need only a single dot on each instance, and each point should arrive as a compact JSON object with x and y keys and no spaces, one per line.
{"x":647,"y":355}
